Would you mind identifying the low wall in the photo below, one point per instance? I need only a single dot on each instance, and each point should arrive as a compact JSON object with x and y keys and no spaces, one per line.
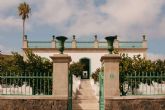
{"x":135,"y":103}
{"x":33,"y":103}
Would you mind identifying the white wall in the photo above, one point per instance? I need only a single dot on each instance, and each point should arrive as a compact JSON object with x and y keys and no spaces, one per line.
{"x":94,"y":57}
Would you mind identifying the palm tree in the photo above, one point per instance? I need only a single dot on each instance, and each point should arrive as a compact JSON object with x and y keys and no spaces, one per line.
{"x":24,"y":11}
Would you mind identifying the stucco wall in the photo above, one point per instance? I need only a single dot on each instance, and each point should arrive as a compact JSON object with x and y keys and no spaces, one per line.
{"x":93,"y":56}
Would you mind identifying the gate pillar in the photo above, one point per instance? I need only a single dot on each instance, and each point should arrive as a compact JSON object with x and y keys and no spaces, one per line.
{"x":111,"y":75}
{"x":60,"y":75}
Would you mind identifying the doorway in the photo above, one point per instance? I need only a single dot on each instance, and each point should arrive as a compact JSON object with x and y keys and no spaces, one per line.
{"x":86,"y":70}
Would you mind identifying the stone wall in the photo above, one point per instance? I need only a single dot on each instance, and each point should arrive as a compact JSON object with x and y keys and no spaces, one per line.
{"x":33,"y":104}
{"x":135,"y":104}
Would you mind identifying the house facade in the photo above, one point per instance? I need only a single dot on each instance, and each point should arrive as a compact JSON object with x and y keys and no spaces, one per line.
{"x":87,"y":52}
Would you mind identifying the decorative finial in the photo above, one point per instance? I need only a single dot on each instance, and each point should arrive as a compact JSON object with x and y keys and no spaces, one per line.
{"x":25,"y":37}
{"x":144,"y":37}
{"x":74,"y":37}
{"x":95,"y":37}
{"x":53,"y":37}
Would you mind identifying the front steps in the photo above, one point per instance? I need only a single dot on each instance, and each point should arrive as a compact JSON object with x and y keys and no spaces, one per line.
{"x":85,"y":98}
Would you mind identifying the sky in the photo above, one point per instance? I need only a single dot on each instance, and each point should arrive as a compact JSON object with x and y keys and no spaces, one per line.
{"x":129,"y":19}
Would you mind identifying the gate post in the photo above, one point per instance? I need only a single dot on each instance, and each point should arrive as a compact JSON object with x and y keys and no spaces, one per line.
{"x":111,"y":75}
{"x":60,"y":75}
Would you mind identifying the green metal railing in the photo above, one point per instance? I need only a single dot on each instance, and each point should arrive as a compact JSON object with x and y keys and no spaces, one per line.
{"x":101,"y":92}
{"x":39,"y":44}
{"x":70,"y":83}
{"x":103,"y":45}
{"x":142,"y":83}
{"x":83,"y":44}
{"x":25,"y":84}
{"x":130,"y":44}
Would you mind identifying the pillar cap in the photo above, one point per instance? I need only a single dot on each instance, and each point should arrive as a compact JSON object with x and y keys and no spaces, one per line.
{"x":110,"y":57}
{"x":61,"y":58}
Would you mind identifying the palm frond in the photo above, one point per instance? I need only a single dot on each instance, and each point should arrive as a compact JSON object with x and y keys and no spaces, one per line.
{"x":24,"y":10}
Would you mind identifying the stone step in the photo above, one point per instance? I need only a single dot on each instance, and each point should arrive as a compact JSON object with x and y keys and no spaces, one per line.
{"x":90,"y":105}
{"x":86,"y":90}
{"x":85,"y":87}
{"x":84,"y":93}
{"x":85,"y":109}
{"x":85,"y":97}
{"x":85,"y":106}
{"x":85,"y":101}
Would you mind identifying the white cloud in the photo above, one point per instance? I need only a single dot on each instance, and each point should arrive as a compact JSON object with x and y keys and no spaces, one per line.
{"x":160,"y":27}
{"x":9,"y":23}
{"x":5,"y":50}
{"x":126,"y":18}
{"x":129,"y":12}
{"x":6,"y":5}
{"x":154,"y":56}
{"x":9,"y":19}
{"x":53,"y":11}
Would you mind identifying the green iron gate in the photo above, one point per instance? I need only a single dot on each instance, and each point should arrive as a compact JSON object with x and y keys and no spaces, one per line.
{"x":70,"y":82}
{"x":101,"y":92}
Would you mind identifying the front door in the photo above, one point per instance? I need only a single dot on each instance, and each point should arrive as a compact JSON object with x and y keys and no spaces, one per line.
{"x":86,"y":69}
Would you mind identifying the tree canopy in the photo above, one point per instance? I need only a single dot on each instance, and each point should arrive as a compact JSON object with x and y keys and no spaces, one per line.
{"x":137,"y":66}
{"x":24,"y":10}
{"x":76,"y":68}
{"x":34,"y":63}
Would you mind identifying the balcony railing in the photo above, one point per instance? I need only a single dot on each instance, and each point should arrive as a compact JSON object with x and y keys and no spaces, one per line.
{"x":130,"y":45}
{"x":39,"y":44}
{"x":85,"y":44}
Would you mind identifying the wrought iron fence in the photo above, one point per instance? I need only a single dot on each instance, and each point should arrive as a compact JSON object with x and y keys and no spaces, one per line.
{"x":142,"y":83}
{"x":70,"y":88}
{"x":101,"y":91}
{"x":25,"y":83}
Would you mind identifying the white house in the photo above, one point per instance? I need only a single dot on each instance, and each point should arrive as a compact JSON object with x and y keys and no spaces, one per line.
{"x":88,"y":52}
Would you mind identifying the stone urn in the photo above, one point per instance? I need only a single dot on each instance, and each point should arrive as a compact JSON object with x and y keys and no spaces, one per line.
{"x":61,"y":46}
{"x":110,"y":40}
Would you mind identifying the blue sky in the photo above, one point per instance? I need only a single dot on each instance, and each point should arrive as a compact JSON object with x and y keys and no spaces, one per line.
{"x":129,"y":19}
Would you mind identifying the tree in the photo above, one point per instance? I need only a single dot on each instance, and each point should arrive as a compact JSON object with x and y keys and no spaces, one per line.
{"x":95,"y":75}
{"x":35,"y":63}
{"x":76,"y":68}
{"x":35,"y":66}
{"x":40,"y":67}
{"x":136,"y":70}
{"x":147,"y":71}
{"x":24,"y":10}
